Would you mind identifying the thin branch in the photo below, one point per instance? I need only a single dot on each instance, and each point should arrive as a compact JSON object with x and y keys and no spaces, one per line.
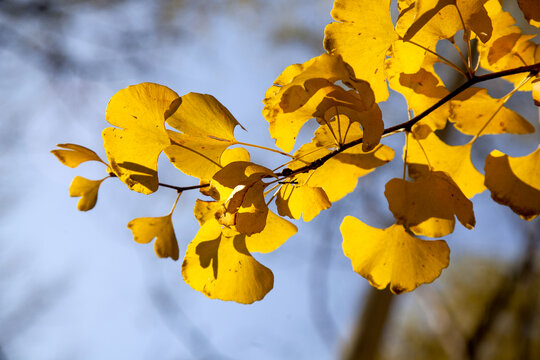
{"x":184,"y":188}
{"x":407,"y":126}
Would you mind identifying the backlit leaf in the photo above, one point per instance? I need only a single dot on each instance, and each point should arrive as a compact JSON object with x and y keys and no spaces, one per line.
{"x":300,"y":200}
{"x":427,"y":206}
{"x":161,"y":228}
{"x":133,"y":149}
{"x":75,"y":155}
{"x":392,"y":256}
{"x":207,"y":129}
{"x":361,"y":41}
{"x":219,"y":265}
{"x":87,"y":190}
{"x":472,"y":113}
{"x":531,"y":11}
{"x":453,"y":160}
{"x":515,"y":182}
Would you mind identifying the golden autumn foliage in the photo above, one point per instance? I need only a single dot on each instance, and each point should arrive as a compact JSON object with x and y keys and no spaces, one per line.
{"x":244,"y":204}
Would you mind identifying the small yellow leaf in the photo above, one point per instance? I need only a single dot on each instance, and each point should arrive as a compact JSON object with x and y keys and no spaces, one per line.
{"x":472,"y":113}
{"x":161,"y":228}
{"x":427,"y":206}
{"x":219,"y":265}
{"x":392,"y":256}
{"x":299,"y":200}
{"x":275,"y":233}
{"x":515,"y":182}
{"x":87,"y":190}
{"x":361,"y":41}
{"x":453,"y":160}
{"x":133,"y":150}
{"x":207,"y":130}
{"x":75,"y":155}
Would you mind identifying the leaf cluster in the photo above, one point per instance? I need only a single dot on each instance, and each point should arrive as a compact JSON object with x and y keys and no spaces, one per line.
{"x":367,"y":53}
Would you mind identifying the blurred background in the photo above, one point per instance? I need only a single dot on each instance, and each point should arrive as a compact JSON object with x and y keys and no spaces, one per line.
{"x":75,"y":285}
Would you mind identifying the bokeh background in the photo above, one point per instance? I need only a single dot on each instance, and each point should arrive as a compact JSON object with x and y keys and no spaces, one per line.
{"x":75,"y":286}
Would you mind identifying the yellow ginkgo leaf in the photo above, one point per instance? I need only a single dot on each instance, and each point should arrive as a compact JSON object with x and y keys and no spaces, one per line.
{"x":240,"y":188}
{"x":427,"y":206}
{"x":426,"y":150}
{"x":508,"y":47}
{"x":219,"y":265}
{"x":536,"y":91}
{"x":75,"y":155}
{"x":133,"y":149}
{"x":515,"y":182}
{"x":87,"y":190}
{"x":275,"y":233}
{"x":207,"y":129}
{"x":531,"y":11}
{"x":470,"y":13}
{"x":362,"y":42}
{"x":309,"y":91}
{"x":392,"y":256}
{"x":297,"y":200}
{"x":471,"y":114}
{"x":161,"y":228}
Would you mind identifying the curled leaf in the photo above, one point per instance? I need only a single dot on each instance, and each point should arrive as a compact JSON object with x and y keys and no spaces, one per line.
{"x":87,"y":190}
{"x":392,"y":256}
{"x":161,"y":228}
{"x":73,"y":155}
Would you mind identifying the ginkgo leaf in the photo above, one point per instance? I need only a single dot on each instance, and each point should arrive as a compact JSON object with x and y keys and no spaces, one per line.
{"x":508,"y":47}
{"x":219,"y":265}
{"x":471,"y":14}
{"x":362,"y":42}
{"x":470,"y":115}
{"x":426,"y":150}
{"x":515,"y":182}
{"x":392,"y":256}
{"x":133,"y":149}
{"x":207,"y":130}
{"x":276,"y":231}
{"x":75,"y":155}
{"x":161,"y":228}
{"x":240,"y":187}
{"x":536,"y":91}
{"x":427,"y":206}
{"x":87,"y":190}
{"x":311,"y":93}
{"x":531,"y":11}
{"x":299,"y":200}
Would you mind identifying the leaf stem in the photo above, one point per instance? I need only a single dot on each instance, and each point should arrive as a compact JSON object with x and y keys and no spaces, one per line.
{"x":262,"y":147}
{"x":443,"y":59}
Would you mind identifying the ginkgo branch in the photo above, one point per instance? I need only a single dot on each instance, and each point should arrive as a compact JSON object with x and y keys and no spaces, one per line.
{"x":407,"y":126}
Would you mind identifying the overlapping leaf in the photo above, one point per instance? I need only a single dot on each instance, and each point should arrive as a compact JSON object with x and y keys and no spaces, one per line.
{"x":453,"y":160}
{"x":339,"y":175}
{"x":362,"y":42}
{"x":515,"y":182}
{"x":428,"y":205}
{"x":297,"y":200}
{"x":73,"y":155}
{"x":531,"y":11}
{"x":306,"y":91}
{"x":161,"y":228}
{"x":392,"y":256}
{"x":218,"y":264}
{"x":472,"y":113}
{"x":207,"y":129}
{"x":139,"y":112}
{"x":87,"y":190}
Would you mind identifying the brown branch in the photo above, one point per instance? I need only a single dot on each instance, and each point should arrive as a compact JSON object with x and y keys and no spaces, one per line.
{"x":177,"y":188}
{"x":406,"y":126}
